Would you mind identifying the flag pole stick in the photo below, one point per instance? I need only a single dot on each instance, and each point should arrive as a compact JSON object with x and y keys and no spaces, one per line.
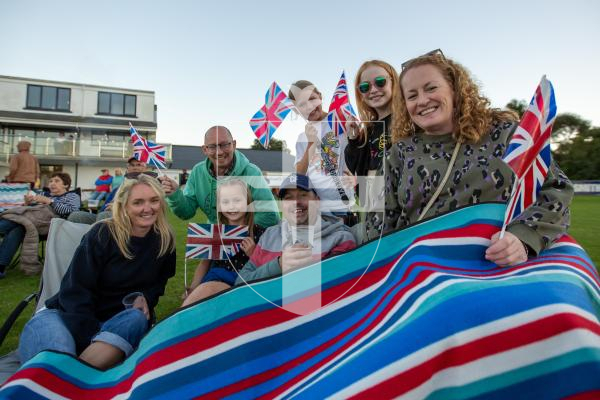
{"x":509,"y":209}
{"x":185,"y":286}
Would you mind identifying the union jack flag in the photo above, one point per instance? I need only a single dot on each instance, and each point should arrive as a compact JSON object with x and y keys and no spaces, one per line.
{"x":266,"y":120}
{"x":528,"y":153}
{"x":147,"y":151}
{"x":214,"y":241}
{"x":340,"y":108}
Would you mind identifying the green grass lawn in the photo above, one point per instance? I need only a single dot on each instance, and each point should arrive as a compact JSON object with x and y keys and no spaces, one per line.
{"x":585,"y":225}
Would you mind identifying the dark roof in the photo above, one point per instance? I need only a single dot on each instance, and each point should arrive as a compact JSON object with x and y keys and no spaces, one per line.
{"x":268,"y":161}
{"x":186,"y":156}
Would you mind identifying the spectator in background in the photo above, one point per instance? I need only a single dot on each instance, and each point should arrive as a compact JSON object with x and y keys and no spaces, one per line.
{"x":102,"y":185}
{"x":183,"y":177}
{"x":117,"y":179}
{"x":24,"y":167}
{"x":38,"y":210}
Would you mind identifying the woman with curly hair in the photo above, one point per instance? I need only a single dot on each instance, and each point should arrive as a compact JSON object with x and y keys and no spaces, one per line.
{"x":447,"y":153}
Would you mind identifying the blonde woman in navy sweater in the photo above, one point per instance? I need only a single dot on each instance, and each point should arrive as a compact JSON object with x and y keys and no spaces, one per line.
{"x":132,"y":253}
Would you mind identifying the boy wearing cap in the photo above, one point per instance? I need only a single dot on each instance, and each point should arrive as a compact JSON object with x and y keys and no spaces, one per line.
{"x":303,"y":237}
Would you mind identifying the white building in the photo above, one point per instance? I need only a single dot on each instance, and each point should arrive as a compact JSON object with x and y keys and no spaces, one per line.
{"x":74,"y":128}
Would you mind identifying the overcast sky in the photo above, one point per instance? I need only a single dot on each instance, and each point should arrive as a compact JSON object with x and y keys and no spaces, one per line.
{"x":211,"y":62}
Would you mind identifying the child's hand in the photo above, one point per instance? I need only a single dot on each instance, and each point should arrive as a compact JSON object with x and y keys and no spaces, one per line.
{"x":311,"y":133}
{"x":348,"y":180}
{"x":248,"y":246}
{"x":352,"y":128}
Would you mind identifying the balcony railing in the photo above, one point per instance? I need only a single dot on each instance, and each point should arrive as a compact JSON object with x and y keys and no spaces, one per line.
{"x":88,"y":148}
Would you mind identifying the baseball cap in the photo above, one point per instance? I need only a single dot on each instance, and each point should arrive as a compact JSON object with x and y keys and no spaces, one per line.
{"x":131,"y":159}
{"x":296,"y":181}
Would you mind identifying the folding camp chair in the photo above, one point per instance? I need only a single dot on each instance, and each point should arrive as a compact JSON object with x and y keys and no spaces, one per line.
{"x":63,"y":239}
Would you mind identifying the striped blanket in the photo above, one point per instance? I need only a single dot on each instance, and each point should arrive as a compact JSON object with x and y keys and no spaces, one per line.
{"x":12,"y":194}
{"x":418,"y":314}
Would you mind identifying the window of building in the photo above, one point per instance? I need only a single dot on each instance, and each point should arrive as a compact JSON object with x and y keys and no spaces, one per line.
{"x":48,"y":98}
{"x":116,"y":104}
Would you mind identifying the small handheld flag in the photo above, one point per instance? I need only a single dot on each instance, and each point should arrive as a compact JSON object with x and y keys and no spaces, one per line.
{"x":340,"y":109}
{"x":147,"y":151}
{"x":266,"y":120}
{"x":528,"y":153}
{"x":214,"y":241}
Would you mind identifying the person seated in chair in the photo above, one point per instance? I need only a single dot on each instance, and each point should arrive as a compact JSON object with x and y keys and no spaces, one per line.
{"x":60,"y":201}
{"x":132,"y":253}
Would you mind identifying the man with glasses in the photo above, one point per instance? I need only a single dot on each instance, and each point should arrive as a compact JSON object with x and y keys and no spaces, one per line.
{"x":222,"y":161}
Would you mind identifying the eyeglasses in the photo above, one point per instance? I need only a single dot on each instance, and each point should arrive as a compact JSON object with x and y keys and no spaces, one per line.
{"x":431,"y":53}
{"x":365,"y":86}
{"x":211,"y":148}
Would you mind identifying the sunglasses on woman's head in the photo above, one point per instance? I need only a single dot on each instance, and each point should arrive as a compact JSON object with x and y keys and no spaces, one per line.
{"x":431,"y":53}
{"x":365,"y":86}
{"x":135,"y":175}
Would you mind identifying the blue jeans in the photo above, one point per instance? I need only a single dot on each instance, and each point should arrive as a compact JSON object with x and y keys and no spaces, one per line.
{"x":13,"y":237}
{"x":220,"y":275}
{"x":98,"y":196}
{"x":47,"y":331}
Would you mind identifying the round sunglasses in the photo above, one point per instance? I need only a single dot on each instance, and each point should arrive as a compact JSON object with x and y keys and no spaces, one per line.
{"x":365,"y":86}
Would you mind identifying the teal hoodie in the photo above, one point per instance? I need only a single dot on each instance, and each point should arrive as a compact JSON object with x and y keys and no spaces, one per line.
{"x":201,"y":189}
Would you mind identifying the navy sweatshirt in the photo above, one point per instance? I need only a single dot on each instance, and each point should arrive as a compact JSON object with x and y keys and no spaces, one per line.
{"x":100,"y":276}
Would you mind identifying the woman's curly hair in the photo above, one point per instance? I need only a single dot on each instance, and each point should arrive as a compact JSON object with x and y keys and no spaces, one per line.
{"x":473,"y":116}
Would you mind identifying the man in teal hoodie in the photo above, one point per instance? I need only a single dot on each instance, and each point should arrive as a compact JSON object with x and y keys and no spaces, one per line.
{"x":222,"y":160}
